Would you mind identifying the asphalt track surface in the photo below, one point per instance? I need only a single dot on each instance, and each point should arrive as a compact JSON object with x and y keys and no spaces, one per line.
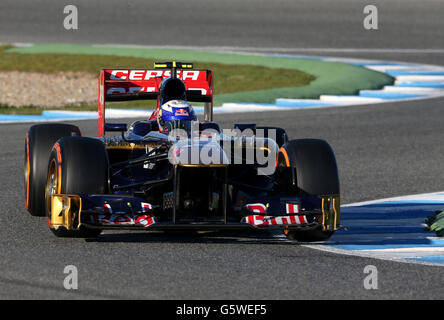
{"x":382,"y":150}
{"x":246,"y":23}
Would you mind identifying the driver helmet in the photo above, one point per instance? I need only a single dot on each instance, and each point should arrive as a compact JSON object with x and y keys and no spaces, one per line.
{"x":175,"y":111}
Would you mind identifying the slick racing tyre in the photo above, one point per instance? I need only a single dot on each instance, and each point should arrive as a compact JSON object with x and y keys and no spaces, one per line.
{"x":77,"y":165}
{"x":308,"y":167}
{"x":39,"y":141}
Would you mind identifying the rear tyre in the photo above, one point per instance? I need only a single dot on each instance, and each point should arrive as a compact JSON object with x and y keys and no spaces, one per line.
{"x":308,"y":167}
{"x":281,"y":134}
{"x":77,"y":165}
{"x":39,"y":141}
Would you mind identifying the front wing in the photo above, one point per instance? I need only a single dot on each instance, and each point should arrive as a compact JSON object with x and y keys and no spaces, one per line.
{"x":131,"y":213}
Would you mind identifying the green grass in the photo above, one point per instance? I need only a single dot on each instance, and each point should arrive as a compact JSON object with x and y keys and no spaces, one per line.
{"x":238,"y":77}
{"x":436,"y":223}
{"x":28,"y":110}
{"x":228,"y":78}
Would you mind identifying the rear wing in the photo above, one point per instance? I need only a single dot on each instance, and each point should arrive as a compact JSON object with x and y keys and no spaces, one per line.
{"x":127,"y":85}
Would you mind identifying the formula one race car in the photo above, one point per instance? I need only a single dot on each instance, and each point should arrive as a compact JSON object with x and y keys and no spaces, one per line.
{"x":172,"y":172}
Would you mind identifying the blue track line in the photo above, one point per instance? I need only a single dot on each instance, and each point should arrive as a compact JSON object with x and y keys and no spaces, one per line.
{"x":388,"y":95}
{"x":415,"y":73}
{"x":431,"y":259}
{"x":437,"y":85}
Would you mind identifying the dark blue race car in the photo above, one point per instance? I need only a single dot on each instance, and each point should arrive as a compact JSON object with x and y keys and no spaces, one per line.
{"x":173,"y":172}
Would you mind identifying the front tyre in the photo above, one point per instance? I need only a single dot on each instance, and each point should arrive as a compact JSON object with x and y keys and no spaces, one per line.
{"x":309,"y":236}
{"x":77,"y":165}
{"x":308,"y":167}
{"x":39,"y":140}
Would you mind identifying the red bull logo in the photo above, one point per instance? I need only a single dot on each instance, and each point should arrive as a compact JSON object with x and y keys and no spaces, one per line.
{"x":181,"y":112}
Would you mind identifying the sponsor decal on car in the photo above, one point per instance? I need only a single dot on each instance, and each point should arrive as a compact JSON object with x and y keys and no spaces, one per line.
{"x":146,"y":207}
{"x":259,"y":220}
{"x":121,"y":219}
{"x":107,"y":208}
{"x":292,"y":208}
{"x":150,"y":75}
{"x":256,"y":207}
{"x":145,"y":87}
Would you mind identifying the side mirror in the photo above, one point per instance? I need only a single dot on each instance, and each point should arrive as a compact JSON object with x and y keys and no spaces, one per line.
{"x":156,"y":136}
{"x":119,"y":127}
{"x":244,"y":126}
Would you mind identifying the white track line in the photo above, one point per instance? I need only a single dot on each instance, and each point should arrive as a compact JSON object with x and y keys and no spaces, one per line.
{"x":406,"y":214}
{"x":420,"y":90}
{"x":349,"y":100}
